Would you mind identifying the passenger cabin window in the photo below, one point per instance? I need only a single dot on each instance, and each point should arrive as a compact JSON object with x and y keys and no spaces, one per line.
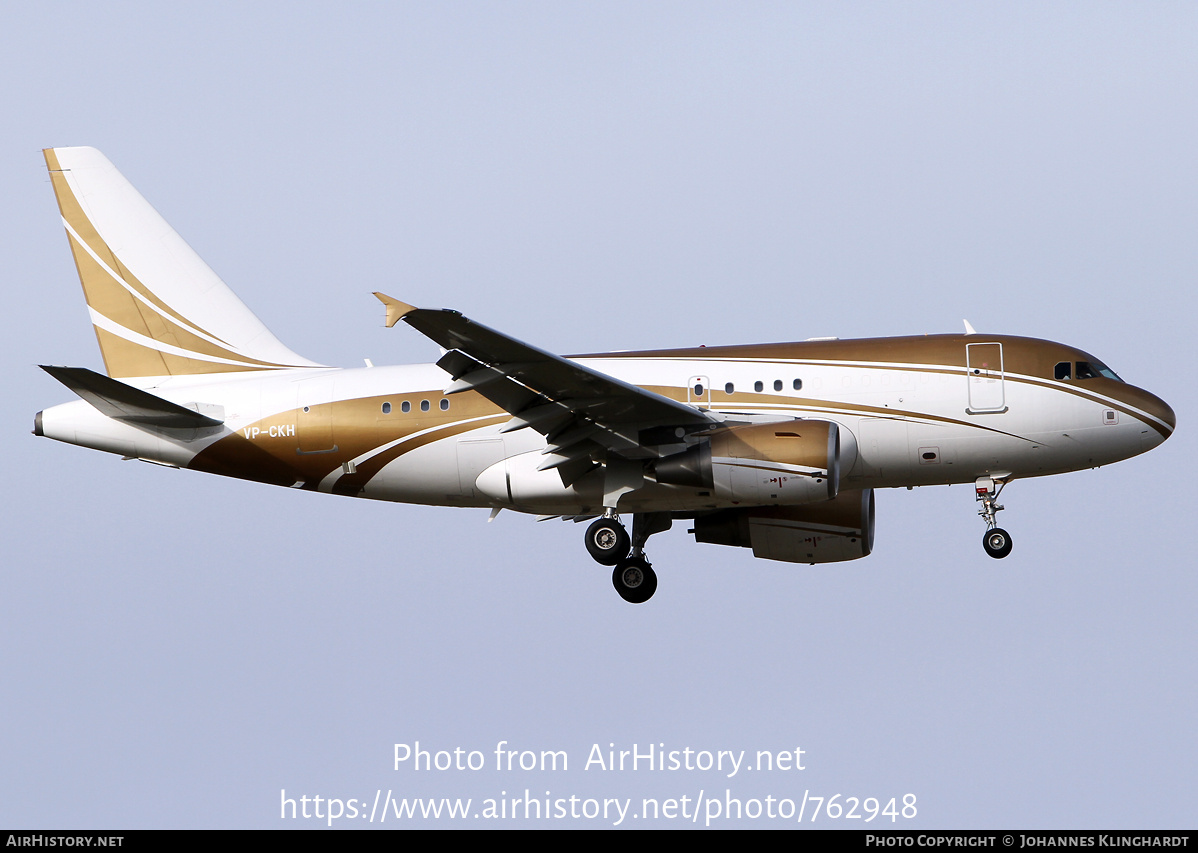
{"x":777,"y":384}
{"x":729,"y":388}
{"x":386,"y":408}
{"x":757,"y":386}
{"x":405,"y":407}
{"x":798,"y":384}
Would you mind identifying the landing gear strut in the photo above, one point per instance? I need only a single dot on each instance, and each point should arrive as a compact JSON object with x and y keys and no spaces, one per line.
{"x":997,"y":541}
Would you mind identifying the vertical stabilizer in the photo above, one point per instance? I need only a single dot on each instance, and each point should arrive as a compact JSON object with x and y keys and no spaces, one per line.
{"x":157,"y":308}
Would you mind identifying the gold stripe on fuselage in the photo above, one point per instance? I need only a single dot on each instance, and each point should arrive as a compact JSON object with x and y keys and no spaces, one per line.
{"x":1025,"y":360}
{"x":360,"y":429}
{"x":268,"y":449}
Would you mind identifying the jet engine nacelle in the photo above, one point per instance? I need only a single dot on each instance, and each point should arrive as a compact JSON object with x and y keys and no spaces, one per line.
{"x":828,"y":532}
{"x":791,"y":462}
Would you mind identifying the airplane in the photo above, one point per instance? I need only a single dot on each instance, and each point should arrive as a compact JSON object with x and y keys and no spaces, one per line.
{"x":773,"y":447}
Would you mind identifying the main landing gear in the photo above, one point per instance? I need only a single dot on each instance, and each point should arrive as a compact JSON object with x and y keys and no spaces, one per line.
{"x":634,"y":579}
{"x":610,"y":545}
{"x":607,"y":541}
{"x":997,"y":541}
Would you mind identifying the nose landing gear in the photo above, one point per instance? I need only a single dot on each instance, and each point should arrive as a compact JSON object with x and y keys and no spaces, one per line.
{"x":997,"y":541}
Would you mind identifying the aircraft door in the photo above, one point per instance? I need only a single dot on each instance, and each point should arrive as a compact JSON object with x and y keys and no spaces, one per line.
{"x":698,"y":392}
{"x":314,"y":415}
{"x":984,"y":373}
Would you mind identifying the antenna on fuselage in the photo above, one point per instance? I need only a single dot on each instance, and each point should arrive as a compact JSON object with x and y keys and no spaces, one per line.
{"x":969,"y":330}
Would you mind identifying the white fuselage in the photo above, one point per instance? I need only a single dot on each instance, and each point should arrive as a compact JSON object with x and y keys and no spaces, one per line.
{"x":901,"y":424}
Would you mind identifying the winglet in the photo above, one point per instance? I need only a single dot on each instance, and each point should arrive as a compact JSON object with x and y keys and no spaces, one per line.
{"x":395,"y":308}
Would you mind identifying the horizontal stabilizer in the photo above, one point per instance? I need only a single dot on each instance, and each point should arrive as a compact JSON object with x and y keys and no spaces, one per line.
{"x":126,"y":403}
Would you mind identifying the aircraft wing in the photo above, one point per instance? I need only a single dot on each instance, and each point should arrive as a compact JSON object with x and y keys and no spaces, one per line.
{"x":570,"y":404}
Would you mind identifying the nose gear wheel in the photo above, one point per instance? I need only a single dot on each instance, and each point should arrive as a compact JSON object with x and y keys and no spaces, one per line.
{"x":997,"y":541}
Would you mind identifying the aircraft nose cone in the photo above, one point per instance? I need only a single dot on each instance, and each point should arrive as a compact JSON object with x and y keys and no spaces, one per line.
{"x":1154,"y":414}
{"x":1166,"y":414}
{"x":1160,"y":409}
{"x":1163,"y":422}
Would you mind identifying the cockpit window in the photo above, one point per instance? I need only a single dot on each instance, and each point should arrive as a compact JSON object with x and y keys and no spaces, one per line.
{"x":1095,"y":369}
{"x":1066,"y":370}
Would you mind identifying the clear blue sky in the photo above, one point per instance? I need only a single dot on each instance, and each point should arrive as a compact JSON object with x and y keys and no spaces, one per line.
{"x":176,"y":649}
